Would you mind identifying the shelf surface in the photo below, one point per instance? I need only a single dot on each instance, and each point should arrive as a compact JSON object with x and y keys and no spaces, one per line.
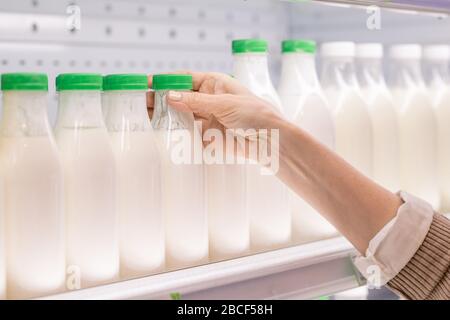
{"x":299,"y":272}
{"x":432,"y":6}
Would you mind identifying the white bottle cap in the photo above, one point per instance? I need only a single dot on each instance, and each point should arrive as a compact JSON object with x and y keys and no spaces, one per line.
{"x":436,"y":52}
{"x":405,"y":51}
{"x":338,"y":49}
{"x":369,"y":50}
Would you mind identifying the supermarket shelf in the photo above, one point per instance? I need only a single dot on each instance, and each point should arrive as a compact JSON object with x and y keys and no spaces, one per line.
{"x":305,"y":271}
{"x":439,"y":7}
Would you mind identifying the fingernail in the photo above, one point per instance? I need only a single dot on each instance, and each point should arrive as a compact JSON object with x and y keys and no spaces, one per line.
{"x":175,"y":95}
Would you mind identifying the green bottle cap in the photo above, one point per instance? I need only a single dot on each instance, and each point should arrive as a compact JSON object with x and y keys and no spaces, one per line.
{"x":130,"y":81}
{"x":172,"y":82}
{"x":306,"y":46}
{"x":24,"y":81}
{"x":249,"y":45}
{"x":79,"y":81}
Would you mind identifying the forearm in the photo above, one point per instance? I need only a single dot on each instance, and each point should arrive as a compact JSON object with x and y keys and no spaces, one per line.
{"x":359,"y":208}
{"x":354,"y":204}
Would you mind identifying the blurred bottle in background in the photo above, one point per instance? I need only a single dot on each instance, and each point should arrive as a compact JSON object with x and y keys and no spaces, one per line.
{"x":354,"y":138}
{"x":386,"y":153}
{"x":436,"y":64}
{"x":417,"y":125}
{"x":306,"y":106}
{"x":267,"y":197}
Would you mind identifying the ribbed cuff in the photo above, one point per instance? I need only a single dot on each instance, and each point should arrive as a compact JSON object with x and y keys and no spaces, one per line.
{"x":427,"y":274}
{"x":394,"y":245}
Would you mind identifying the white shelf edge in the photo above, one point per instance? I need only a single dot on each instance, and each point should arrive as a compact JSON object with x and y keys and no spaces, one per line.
{"x":400,"y":7}
{"x":219,"y":274}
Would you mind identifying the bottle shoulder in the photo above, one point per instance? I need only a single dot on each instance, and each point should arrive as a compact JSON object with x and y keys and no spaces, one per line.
{"x":348,"y":98}
{"x":440,"y":96}
{"x":85,"y":143}
{"x":38,"y":153}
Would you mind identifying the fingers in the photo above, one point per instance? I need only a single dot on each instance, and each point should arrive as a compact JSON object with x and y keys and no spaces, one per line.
{"x":200,"y":78}
{"x":150,"y":99}
{"x":150,"y":113}
{"x":201,"y":104}
{"x":150,"y":103}
{"x":211,"y":82}
{"x":150,"y":80}
{"x":197,"y":78}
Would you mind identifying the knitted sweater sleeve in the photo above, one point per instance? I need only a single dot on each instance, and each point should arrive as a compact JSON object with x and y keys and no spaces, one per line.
{"x":427,"y":274}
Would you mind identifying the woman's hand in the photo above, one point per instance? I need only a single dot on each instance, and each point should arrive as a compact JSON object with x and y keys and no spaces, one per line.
{"x":354,"y":204}
{"x":221,"y":102}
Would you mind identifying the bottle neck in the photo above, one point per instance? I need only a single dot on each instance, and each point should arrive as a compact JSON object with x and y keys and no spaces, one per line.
{"x":251,"y":68}
{"x":80,"y":109}
{"x":126,"y":111}
{"x":25,"y":114}
{"x":369,"y":72}
{"x":436,"y":72}
{"x":406,"y":73}
{"x":338,"y":73}
{"x":300,"y":68}
{"x":167,"y":118}
{"x":252,"y":71}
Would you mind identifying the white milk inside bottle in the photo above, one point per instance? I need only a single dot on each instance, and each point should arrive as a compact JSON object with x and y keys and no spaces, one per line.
{"x":305,"y":105}
{"x":33,"y":184}
{"x":267,"y":197}
{"x":437,"y":76}
{"x":351,"y":116}
{"x":141,"y":226}
{"x":386,"y":146}
{"x":418,"y":174}
{"x":184,"y":203}
{"x":228,"y":220}
{"x":89,"y":173}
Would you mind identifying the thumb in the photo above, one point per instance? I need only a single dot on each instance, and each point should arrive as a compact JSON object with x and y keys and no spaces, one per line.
{"x":201,"y":104}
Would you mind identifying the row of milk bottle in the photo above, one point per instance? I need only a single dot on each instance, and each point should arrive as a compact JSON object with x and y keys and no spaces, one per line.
{"x":295,"y":220}
{"x":97,"y":198}
{"x":397,"y":135}
{"x":410,"y":146}
{"x":103,"y":198}
{"x":103,"y":195}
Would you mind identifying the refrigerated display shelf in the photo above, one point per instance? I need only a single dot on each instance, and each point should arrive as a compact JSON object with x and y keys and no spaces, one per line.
{"x":437,"y":6}
{"x":304,"y":271}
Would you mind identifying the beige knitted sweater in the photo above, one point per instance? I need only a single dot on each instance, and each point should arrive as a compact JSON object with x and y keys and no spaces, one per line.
{"x":427,"y":274}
